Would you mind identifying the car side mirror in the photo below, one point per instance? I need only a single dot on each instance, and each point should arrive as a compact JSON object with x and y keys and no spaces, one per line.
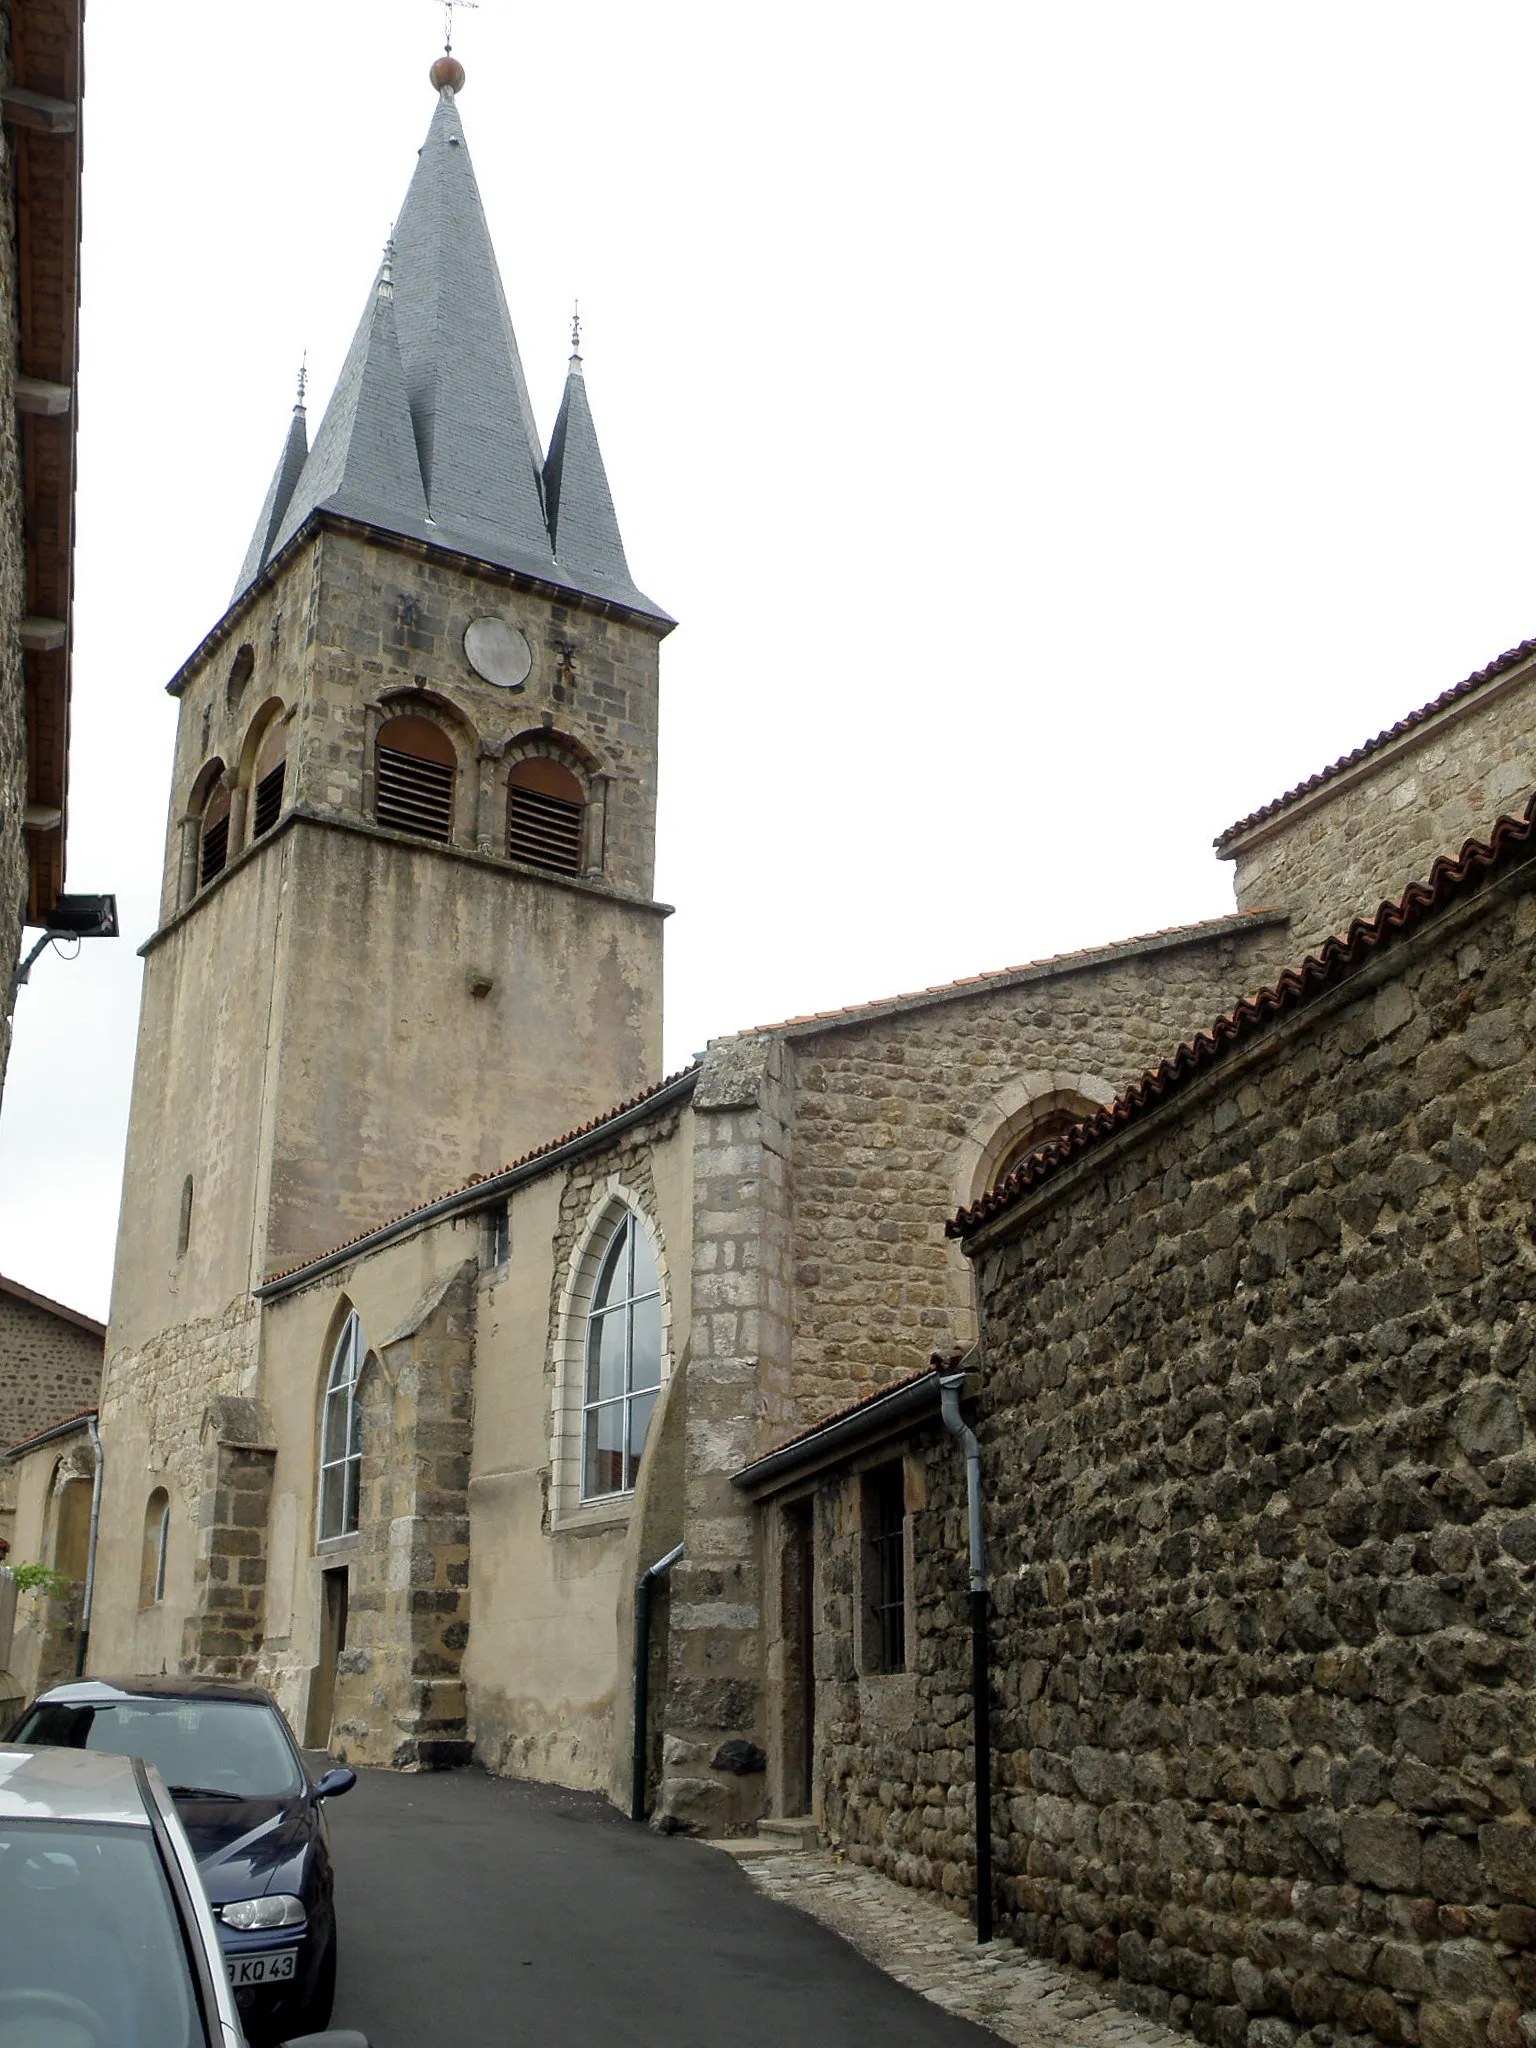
{"x":340,"y":2037}
{"x":331,"y":1786}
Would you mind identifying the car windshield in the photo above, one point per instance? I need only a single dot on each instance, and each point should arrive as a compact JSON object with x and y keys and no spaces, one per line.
{"x":223,"y":1749}
{"x":90,"y":1946}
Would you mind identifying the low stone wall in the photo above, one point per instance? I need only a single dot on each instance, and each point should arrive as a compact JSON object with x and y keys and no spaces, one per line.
{"x":1259,"y":1425}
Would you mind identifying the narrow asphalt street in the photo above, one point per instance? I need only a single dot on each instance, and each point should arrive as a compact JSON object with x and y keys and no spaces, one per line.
{"x":479,"y":1913}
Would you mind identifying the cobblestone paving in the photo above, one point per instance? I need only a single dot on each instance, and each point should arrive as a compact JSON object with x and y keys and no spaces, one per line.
{"x":915,"y":1940}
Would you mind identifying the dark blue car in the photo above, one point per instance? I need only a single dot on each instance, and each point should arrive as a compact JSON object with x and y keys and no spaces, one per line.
{"x":254,"y":1817}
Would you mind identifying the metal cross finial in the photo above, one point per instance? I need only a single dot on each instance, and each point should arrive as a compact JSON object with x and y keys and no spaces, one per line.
{"x":448,"y":7}
{"x":387,"y":269}
{"x":575,"y":327}
{"x":303,"y":375}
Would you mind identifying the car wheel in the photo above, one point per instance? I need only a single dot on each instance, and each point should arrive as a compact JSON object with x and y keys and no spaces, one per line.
{"x":317,"y":2012}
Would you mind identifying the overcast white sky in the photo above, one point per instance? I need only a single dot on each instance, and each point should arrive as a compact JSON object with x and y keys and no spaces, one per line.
{"x":1058,"y":428}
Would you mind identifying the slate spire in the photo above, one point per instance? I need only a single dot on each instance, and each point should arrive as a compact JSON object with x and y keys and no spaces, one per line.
{"x":429,"y":432}
{"x":583,"y":525}
{"x":279,"y":494}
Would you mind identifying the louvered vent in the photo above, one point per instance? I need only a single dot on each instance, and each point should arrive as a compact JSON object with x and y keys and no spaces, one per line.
{"x":544,"y":829}
{"x":214,"y":850}
{"x":415,"y":795}
{"x":269,"y":800}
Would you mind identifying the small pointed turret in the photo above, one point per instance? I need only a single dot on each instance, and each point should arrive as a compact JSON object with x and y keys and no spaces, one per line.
{"x":430,"y":433}
{"x":279,"y":494}
{"x":583,"y":525}
{"x":364,"y":462}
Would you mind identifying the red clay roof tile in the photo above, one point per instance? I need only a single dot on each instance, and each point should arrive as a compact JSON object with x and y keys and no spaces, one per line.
{"x":1512,"y":658}
{"x":1447,"y":879}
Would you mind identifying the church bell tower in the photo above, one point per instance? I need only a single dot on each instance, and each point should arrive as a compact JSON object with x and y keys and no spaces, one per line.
{"x":407,"y":930}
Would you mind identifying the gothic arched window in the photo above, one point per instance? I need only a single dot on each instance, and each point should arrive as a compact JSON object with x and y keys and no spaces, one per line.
{"x":416,"y":771}
{"x":546,"y":806}
{"x":623,"y":1361}
{"x":341,"y":1434}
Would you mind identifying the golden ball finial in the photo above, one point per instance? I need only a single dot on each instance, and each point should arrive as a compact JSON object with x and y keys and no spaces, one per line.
{"x":448,"y":74}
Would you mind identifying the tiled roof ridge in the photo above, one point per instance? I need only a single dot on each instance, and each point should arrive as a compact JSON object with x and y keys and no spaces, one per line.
{"x":477,"y":1180}
{"x":1511,"y":658}
{"x":41,"y":1436}
{"x":1447,"y":878}
{"x":61,"y":1309}
{"x":1112,"y":949}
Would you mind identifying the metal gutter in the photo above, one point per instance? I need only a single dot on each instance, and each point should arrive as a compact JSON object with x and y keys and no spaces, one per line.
{"x":495,"y":1185}
{"x":46,"y":1436}
{"x":867,"y":1423}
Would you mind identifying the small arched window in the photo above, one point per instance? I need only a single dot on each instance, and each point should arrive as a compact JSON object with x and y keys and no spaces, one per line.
{"x":417,"y":768}
{"x":267,"y":778}
{"x":341,"y":1434}
{"x":1054,"y":1119}
{"x":157,"y":1537}
{"x":213,"y":835}
{"x":623,"y":1362}
{"x":545,"y":809}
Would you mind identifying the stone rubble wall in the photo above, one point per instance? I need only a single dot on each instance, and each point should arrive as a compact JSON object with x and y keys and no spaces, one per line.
{"x":1259,"y":1423}
{"x":1366,"y":837}
{"x":50,"y":1369}
{"x":890,"y":1115}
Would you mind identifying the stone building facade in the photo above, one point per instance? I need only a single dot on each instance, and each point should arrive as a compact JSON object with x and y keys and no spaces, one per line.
{"x":1259,"y":1402}
{"x":40,"y":95}
{"x":50,"y":1361}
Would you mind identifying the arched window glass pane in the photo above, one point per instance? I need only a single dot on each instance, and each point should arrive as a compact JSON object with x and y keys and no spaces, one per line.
{"x":341,"y":1435}
{"x":623,"y":1363}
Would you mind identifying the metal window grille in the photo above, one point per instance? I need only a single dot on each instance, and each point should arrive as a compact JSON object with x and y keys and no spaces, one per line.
{"x":214,"y":850}
{"x":544,"y":830}
{"x":887,"y":1544}
{"x":415,"y":795}
{"x":341,"y":1437}
{"x":269,"y":800}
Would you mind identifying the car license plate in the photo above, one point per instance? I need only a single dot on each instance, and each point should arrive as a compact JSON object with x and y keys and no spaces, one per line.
{"x":269,"y":1969}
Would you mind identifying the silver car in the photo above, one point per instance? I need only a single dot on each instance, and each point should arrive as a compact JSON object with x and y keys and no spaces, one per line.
{"x":106,"y":1937}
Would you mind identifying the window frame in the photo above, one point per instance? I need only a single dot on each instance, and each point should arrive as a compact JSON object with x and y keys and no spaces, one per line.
{"x":885,"y":1647}
{"x":350,"y":1351}
{"x":622,"y":1241}
{"x":612,"y":1202}
{"x":153,"y":1593}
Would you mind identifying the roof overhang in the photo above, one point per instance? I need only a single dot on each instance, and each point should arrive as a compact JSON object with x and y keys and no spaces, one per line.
{"x":860,"y":1429}
{"x":41,"y":108}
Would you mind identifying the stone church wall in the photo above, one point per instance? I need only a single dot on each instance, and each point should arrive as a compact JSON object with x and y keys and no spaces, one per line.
{"x":1259,"y":1429}
{"x":892,"y":1119}
{"x":50,"y":1368}
{"x":1371,"y":831}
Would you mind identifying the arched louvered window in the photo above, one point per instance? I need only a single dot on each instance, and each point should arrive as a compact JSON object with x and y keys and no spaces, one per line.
{"x":213,"y":836}
{"x":267,"y":779}
{"x":417,"y":768}
{"x":341,"y":1434}
{"x":545,"y":809}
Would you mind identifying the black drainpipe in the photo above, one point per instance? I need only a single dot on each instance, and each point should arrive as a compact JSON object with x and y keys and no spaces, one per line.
{"x":981,"y":1691}
{"x":644,"y":1587}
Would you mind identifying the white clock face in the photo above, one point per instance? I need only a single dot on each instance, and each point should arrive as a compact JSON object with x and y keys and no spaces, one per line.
{"x":496,"y":650}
